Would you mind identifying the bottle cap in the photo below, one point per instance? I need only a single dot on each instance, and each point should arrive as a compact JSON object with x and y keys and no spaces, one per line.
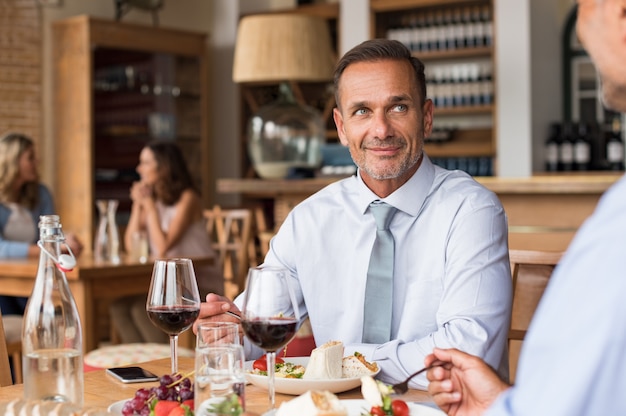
{"x":66,"y":263}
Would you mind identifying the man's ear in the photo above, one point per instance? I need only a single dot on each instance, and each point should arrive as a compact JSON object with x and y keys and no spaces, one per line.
{"x":427,"y":117}
{"x":340,"y":126}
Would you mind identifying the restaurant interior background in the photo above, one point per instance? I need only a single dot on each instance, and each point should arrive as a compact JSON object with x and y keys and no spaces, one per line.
{"x":527,"y":73}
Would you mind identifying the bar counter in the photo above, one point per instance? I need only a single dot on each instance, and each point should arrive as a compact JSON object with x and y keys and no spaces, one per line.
{"x":544,"y":211}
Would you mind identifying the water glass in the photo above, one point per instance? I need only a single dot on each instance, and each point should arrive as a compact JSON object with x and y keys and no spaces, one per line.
{"x":217,"y":333}
{"x":219,"y":376}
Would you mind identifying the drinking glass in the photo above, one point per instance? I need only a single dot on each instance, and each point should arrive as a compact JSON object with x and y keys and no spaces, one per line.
{"x":270,"y":315}
{"x":173,"y":300}
{"x":219,"y":367}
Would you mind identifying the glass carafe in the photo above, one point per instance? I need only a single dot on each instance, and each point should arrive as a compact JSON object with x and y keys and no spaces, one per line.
{"x":107,"y":242}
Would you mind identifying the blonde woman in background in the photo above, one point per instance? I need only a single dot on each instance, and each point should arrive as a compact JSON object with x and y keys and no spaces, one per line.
{"x":22,"y":200}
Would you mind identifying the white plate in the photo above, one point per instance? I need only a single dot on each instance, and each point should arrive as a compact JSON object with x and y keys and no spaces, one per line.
{"x":116,"y":408}
{"x":358,"y":407}
{"x":298,"y":386}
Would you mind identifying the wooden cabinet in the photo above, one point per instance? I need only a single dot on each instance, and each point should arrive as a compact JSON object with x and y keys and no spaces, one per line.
{"x":454,"y":40}
{"x":118,"y":86}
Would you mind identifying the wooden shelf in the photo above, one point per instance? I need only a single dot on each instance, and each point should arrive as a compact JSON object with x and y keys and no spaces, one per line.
{"x":482,"y":51}
{"x":465,"y":143}
{"x":395,"y":5}
{"x":464,"y":110}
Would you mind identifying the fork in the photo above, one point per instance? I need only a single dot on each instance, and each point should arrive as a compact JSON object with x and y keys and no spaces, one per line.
{"x":403,"y":387}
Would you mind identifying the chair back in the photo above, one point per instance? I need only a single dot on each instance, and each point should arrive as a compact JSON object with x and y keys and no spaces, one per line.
{"x":5,"y":370}
{"x":531,"y":271}
{"x":230,"y":233}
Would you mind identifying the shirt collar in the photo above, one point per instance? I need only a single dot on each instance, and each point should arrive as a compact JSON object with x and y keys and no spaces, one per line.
{"x":409,"y":197}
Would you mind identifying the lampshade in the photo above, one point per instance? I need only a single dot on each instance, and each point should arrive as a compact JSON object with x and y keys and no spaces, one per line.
{"x":283,"y":47}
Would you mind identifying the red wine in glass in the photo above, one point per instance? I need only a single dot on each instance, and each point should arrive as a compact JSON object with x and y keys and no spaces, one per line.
{"x":270,"y":315}
{"x":173,"y":319}
{"x":173,"y":301}
{"x":270,"y":334}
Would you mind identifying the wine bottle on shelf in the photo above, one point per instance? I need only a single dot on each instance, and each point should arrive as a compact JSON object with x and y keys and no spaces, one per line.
{"x":468,"y":27}
{"x":487,"y":25}
{"x":615,"y":145}
{"x":582,"y":148}
{"x":449,"y":24}
{"x":459,"y":28}
{"x":432,"y":31}
{"x":441,"y":31}
{"x":566,"y":148}
{"x":551,"y":148}
{"x":486,"y":84}
{"x":52,"y":340}
{"x":479,"y":32}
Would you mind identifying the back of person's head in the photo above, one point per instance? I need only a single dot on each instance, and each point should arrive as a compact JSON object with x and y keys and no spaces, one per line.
{"x":12,"y":147}
{"x":174,"y":177}
{"x":379,"y":50}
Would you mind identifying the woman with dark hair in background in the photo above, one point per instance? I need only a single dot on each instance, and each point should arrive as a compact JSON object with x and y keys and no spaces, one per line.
{"x":167,"y":207}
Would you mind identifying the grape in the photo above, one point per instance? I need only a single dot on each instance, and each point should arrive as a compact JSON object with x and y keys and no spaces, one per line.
{"x":161,"y":392}
{"x":127,"y":409}
{"x":185,"y":393}
{"x":166,"y":380}
{"x":138,"y":403}
{"x":186,"y":383}
{"x":143,"y":394}
{"x":173,"y":394}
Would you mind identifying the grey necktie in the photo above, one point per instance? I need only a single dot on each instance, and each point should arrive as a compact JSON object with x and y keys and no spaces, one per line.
{"x":379,"y":288}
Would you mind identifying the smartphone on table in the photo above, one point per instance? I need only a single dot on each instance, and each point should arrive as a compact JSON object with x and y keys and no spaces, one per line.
{"x":132,"y":374}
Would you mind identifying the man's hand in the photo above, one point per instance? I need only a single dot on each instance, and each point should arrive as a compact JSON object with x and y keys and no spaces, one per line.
{"x":214,"y":310}
{"x":465,"y":385}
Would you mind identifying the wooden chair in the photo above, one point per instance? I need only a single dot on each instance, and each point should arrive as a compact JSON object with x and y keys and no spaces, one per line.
{"x":5,"y":370}
{"x":530,"y":271}
{"x":230,"y":232}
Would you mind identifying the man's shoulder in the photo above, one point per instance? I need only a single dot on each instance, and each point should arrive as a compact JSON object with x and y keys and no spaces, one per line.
{"x":348,"y":184}
{"x":459,"y":181}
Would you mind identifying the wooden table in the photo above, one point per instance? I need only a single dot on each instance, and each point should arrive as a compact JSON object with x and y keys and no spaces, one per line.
{"x":101,"y":389}
{"x":91,"y":281}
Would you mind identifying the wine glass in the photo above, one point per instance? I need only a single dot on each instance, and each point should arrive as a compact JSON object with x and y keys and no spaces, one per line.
{"x":270,"y":315}
{"x":173,"y":300}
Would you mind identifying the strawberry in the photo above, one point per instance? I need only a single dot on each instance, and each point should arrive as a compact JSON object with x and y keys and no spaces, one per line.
{"x":177,"y":411}
{"x":164,"y":407}
{"x":188,"y":403}
{"x":181,"y":410}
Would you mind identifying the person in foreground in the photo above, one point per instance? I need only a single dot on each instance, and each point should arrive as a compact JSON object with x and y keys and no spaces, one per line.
{"x":572,"y":361}
{"x":451,"y":283}
{"x":22,"y":200}
{"x":167,"y":207}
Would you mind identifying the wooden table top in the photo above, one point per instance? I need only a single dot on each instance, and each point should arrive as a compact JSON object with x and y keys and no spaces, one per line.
{"x":87,"y":267}
{"x":101,"y":390}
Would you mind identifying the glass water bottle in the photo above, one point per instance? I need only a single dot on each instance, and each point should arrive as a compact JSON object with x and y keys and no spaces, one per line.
{"x":52,"y":339}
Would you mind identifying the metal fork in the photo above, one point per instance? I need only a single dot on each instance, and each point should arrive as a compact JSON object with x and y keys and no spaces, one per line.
{"x":403,"y":387}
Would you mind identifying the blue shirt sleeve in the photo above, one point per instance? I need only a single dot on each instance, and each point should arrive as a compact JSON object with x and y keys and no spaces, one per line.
{"x":17,"y":249}
{"x":572,"y":361}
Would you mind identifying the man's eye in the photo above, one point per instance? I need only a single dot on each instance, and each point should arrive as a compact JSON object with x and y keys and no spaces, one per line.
{"x":400,"y":108}
{"x":360,"y":112}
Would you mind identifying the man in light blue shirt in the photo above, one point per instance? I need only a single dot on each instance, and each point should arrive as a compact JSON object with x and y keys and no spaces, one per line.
{"x":573,"y":361}
{"x":451,"y":274}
